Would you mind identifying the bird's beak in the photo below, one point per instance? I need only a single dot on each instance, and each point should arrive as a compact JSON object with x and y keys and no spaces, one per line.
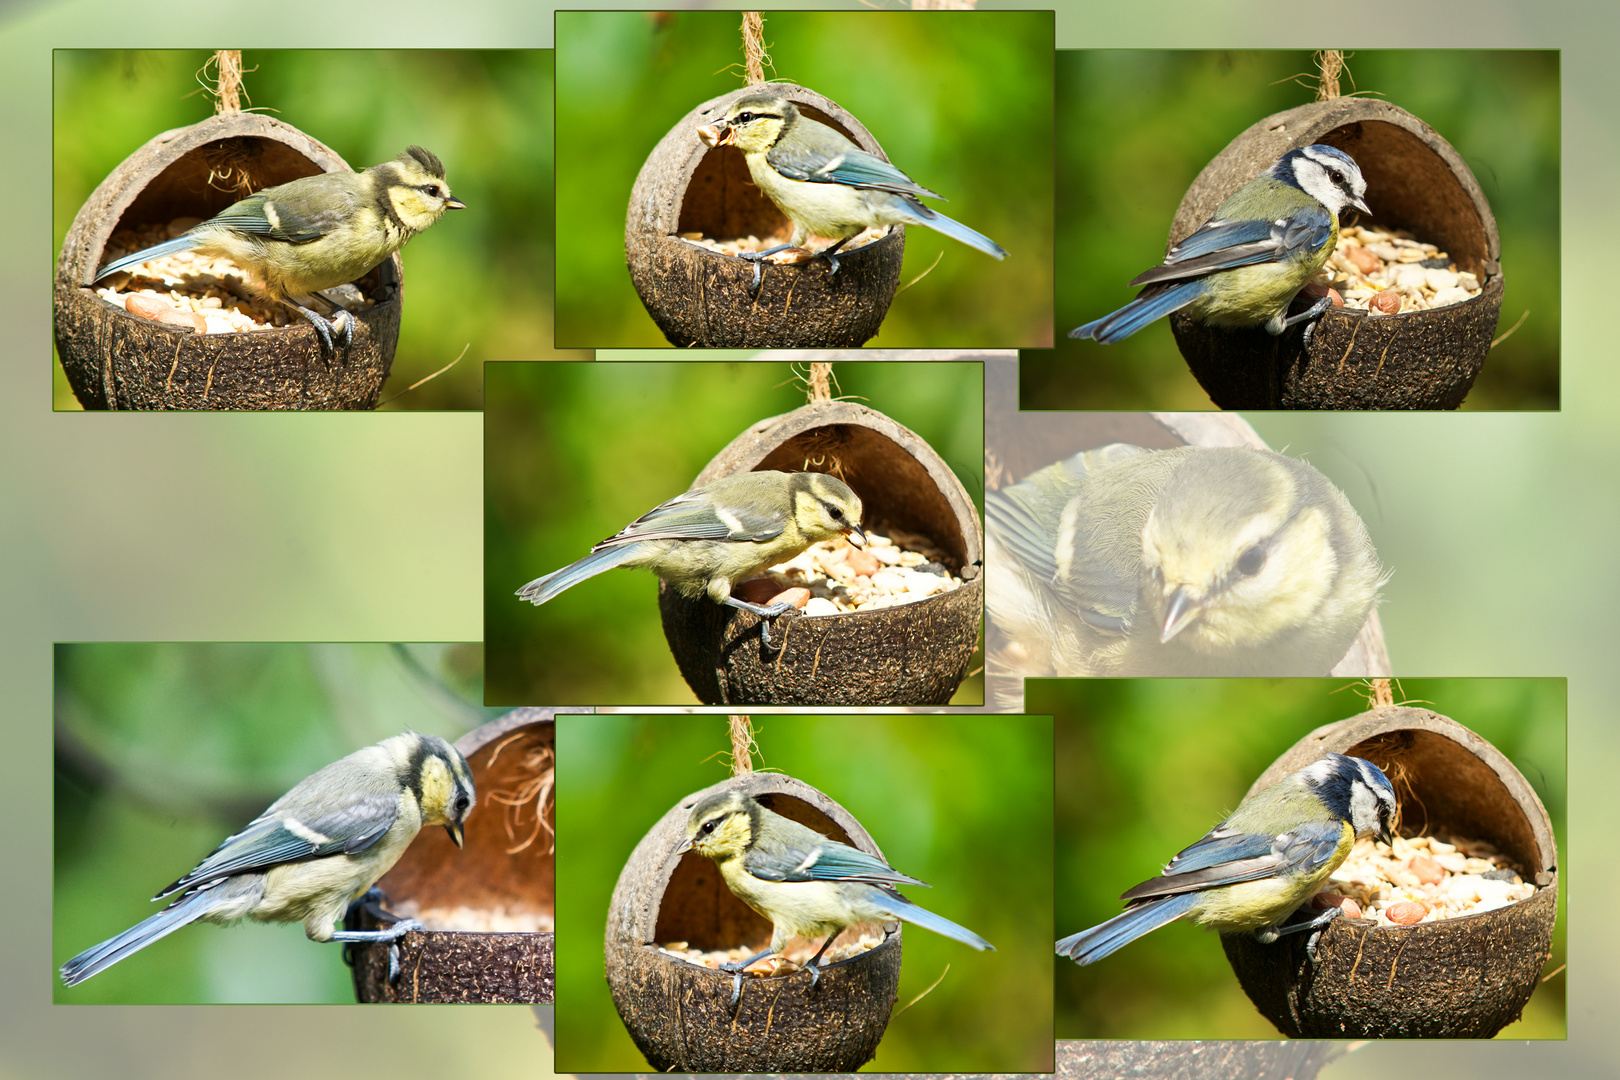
{"x":1179,"y":613}
{"x":1362,"y":206}
{"x":686,"y":845}
{"x":454,"y":203}
{"x":856,"y":536}
{"x":715,"y":134}
{"x":455,"y":832}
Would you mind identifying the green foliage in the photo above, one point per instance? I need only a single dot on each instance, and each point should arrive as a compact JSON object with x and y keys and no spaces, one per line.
{"x":1138,"y":126}
{"x":961,"y":102}
{"x":574,"y":452}
{"x":1146,"y":766}
{"x":480,"y":280}
{"x":961,"y":802}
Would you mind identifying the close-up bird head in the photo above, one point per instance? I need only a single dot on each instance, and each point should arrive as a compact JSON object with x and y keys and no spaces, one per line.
{"x":825,"y":507}
{"x":417,"y":189}
{"x":721,"y":825}
{"x":1239,"y":548}
{"x":445,"y":782}
{"x":752,"y":124}
{"x":1325,"y":173}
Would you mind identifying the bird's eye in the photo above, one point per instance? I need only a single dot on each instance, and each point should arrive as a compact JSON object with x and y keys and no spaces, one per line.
{"x":836,"y":513}
{"x":1251,"y":561}
{"x":463,"y":803}
{"x":708,"y":826}
{"x":744,"y":117}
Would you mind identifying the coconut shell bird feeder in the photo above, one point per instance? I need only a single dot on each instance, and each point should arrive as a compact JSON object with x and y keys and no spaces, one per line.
{"x":1416,"y":181}
{"x":490,"y":907}
{"x":118,"y":360}
{"x":704,"y":298}
{"x":680,"y":1013}
{"x":914,"y":653}
{"x":1458,"y":978}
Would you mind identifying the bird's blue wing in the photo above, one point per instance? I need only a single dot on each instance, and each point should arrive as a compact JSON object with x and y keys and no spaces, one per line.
{"x":694,"y":516}
{"x":1226,"y":858}
{"x":854,"y":168}
{"x":826,"y":861}
{"x":278,"y":836}
{"x":1223,"y":245}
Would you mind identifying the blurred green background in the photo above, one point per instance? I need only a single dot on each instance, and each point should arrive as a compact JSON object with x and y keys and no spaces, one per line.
{"x":960,"y":102}
{"x":480,"y":280}
{"x":961,"y":802}
{"x":1146,"y":766}
{"x":1136,"y":127}
{"x":574,"y":452}
{"x":164,"y":750}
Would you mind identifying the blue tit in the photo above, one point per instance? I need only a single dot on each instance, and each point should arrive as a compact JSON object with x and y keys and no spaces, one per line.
{"x":1193,"y":561}
{"x":315,"y":850}
{"x":319,"y":232}
{"x":1256,"y":868}
{"x":806,"y":884}
{"x":825,"y":184}
{"x":1244,"y":266}
{"x":713,"y":537}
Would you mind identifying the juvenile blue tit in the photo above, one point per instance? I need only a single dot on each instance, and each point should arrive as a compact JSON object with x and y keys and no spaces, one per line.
{"x":1244,"y":266}
{"x":806,"y":884}
{"x":1192,"y":561}
{"x":825,"y":184}
{"x":714,"y":536}
{"x":319,"y":232}
{"x":315,"y":850}
{"x":1254,"y":870}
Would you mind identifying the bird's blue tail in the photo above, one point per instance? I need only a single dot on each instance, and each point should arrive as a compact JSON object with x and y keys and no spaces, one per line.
{"x":183,"y":242}
{"x":101,"y":957}
{"x":1089,"y":946}
{"x":1138,"y":313}
{"x":542,"y":589}
{"x":955,"y":230}
{"x":901,"y":908}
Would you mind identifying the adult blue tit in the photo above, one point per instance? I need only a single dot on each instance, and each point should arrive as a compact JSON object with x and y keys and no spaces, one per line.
{"x":1193,"y":561}
{"x":825,"y":184}
{"x":806,"y":884}
{"x":315,"y":850}
{"x":713,"y":537}
{"x":1245,"y":265}
{"x":319,"y":232}
{"x":1256,"y":868}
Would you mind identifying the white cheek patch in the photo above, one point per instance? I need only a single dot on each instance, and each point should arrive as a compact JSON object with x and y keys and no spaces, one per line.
{"x":1364,"y":804}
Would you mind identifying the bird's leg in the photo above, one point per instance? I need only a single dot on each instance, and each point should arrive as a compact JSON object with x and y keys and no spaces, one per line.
{"x":828,"y":253}
{"x":757,"y":258}
{"x":373,"y":899}
{"x":815,"y":968}
{"x":1281,"y":322}
{"x":737,"y":969}
{"x":1316,"y":925}
{"x":766,"y":614}
{"x":323,"y":329}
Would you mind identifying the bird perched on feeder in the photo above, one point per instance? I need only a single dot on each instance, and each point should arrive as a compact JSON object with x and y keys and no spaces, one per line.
{"x":825,"y":184}
{"x":712,"y":537}
{"x":1186,"y":562}
{"x":1256,"y":868}
{"x":316,"y":849}
{"x":1245,"y":265}
{"x":318,"y":232}
{"x":806,"y":884}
